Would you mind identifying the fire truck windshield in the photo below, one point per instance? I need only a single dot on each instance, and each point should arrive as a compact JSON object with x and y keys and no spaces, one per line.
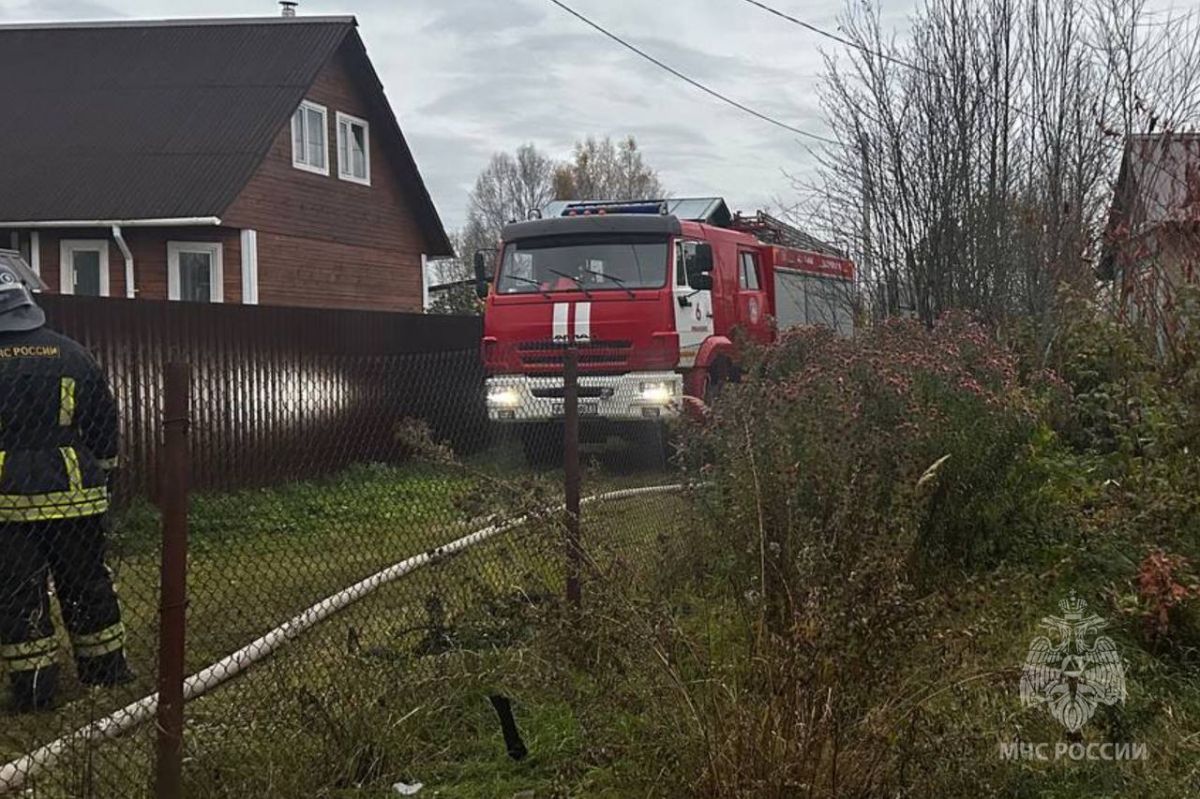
{"x":574,"y":264}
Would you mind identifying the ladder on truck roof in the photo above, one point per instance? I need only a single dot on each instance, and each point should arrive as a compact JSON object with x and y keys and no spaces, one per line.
{"x":771,"y":230}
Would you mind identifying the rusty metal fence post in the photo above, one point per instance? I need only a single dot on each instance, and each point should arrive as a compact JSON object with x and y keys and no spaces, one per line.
{"x":571,"y":470}
{"x":168,"y":782}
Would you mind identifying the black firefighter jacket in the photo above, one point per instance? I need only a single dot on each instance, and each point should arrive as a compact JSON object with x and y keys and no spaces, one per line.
{"x":58,"y":429}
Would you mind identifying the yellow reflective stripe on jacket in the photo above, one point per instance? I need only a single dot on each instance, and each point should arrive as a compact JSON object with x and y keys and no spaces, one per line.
{"x":76,"y":501}
{"x":66,"y":401}
{"x":93,"y":645}
{"x":71,"y":464}
{"x":30,"y":655}
{"x":38,"y":646}
{"x":48,"y":507}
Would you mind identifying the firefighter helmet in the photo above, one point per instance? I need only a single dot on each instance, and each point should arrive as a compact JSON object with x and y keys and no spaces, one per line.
{"x":19,"y":311}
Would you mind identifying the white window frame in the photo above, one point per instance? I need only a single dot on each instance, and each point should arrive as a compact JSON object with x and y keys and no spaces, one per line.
{"x":344,"y":169}
{"x":212,"y":248}
{"x":298,"y":157}
{"x":66,"y":271}
{"x":749,"y":258}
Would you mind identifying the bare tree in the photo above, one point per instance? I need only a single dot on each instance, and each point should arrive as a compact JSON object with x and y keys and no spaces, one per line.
{"x":514,"y":185}
{"x":602,"y":170}
{"x":452,"y":280}
{"x":508,"y":189}
{"x":977,"y":161}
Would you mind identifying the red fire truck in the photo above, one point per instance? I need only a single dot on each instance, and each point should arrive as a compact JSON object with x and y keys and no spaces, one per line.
{"x":650,"y":294}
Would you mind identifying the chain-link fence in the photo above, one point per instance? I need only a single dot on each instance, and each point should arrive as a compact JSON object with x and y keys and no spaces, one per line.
{"x":315,"y":602}
{"x":59,"y":437}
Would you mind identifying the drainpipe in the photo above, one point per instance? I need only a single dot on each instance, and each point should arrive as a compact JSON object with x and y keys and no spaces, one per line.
{"x":130,"y":289}
{"x":424,"y":283}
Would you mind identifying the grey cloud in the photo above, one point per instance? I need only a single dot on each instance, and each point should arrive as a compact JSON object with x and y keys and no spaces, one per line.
{"x":706,"y":66}
{"x":472,"y":77}
{"x":449,"y":165}
{"x":555,"y":85}
{"x":54,"y":10}
{"x":468,"y":18}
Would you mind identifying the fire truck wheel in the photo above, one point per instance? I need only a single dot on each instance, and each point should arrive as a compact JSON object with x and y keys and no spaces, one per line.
{"x":542,"y":443}
{"x":715,"y":378}
{"x":655,"y":444}
{"x":666,"y":445}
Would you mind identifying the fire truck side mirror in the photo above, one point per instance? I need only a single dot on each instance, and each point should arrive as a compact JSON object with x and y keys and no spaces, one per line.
{"x":700,"y":267}
{"x":482,"y":278}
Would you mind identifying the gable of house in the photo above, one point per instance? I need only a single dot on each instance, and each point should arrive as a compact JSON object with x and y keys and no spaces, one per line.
{"x":1157,"y":195}
{"x":1152,"y":240}
{"x":334,"y":234}
{"x":171,"y":120}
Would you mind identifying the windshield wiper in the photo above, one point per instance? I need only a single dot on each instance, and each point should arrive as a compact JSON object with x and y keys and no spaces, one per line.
{"x":541,"y":290}
{"x":575,"y":280}
{"x":614,"y":279}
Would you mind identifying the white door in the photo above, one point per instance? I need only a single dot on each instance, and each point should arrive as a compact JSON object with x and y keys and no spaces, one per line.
{"x":83,"y":267}
{"x":693,"y":309}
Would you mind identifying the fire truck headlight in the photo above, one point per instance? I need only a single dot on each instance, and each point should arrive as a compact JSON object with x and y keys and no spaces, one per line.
{"x":504,"y":397}
{"x":658,"y":393}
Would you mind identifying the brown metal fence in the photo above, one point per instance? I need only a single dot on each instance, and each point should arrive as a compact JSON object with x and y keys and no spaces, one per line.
{"x":279,"y":392}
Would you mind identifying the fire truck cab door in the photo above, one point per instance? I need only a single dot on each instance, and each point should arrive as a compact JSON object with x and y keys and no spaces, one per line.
{"x":751,"y":297}
{"x":693,"y":309}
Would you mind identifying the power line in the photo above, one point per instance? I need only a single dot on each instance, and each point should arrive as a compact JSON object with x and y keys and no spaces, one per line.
{"x":839,"y":39}
{"x":1009,"y":104}
{"x":890,"y":58}
{"x":667,"y":67}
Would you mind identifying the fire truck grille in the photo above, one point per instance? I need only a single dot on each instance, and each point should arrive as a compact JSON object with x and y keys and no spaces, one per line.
{"x":579,"y":345}
{"x":547,"y":356}
{"x":584,"y":392}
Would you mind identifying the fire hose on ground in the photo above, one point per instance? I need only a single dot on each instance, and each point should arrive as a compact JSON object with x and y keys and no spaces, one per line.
{"x":14,"y":775}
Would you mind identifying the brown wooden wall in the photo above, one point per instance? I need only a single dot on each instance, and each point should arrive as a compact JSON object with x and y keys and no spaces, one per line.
{"x":279,"y":394}
{"x":365,"y":239}
{"x":149,"y":248}
{"x":328,"y":274}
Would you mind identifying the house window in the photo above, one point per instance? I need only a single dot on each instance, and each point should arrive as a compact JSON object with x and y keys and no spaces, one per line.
{"x":194,"y":271}
{"x":83,"y":267}
{"x":308,"y":138}
{"x":354,"y":154}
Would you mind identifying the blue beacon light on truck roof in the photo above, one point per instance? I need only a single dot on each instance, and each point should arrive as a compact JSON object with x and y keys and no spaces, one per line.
{"x":653,"y":207}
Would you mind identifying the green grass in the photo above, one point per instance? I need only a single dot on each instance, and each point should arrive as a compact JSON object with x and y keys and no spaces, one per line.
{"x":352,"y":720}
{"x":257,"y":558}
{"x":373,"y":696}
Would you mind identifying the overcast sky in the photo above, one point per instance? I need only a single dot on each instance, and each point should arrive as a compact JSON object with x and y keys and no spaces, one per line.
{"x":470,"y":77}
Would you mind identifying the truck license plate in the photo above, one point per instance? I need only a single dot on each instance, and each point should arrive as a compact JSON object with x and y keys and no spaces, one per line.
{"x":585,"y":409}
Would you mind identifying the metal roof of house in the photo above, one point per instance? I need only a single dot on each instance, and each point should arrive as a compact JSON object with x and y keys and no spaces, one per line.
{"x":162,"y":119}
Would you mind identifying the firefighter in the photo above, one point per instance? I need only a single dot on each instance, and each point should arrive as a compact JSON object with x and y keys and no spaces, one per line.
{"x":58,"y":443}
